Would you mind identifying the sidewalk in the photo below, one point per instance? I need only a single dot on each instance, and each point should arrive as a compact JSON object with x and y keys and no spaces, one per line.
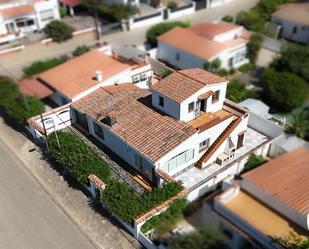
{"x":73,"y":202}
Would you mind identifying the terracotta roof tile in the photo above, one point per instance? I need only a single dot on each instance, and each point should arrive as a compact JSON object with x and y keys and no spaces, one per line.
{"x":34,"y":87}
{"x":76,"y":75}
{"x":297,"y":12}
{"x":212,"y":29}
{"x":285,"y":178}
{"x":17,"y":11}
{"x":180,"y":85}
{"x":206,"y":95}
{"x":151,"y":133}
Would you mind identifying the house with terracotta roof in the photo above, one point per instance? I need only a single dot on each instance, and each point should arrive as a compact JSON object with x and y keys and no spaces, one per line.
{"x":293,"y":20}
{"x":275,"y":197}
{"x":84,"y":74}
{"x":192,"y":47}
{"x":17,"y":18}
{"x":182,"y":127}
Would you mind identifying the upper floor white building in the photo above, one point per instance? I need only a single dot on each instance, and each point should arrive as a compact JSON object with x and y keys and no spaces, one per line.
{"x":293,"y":19}
{"x":192,"y":47}
{"x":19,"y":17}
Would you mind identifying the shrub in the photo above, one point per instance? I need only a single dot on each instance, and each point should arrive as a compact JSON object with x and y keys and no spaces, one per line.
{"x":251,"y":20}
{"x":162,"y":28}
{"x":253,"y":47}
{"x":172,"y":5}
{"x":299,"y":124}
{"x":166,"y":221}
{"x":222,"y":72}
{"x":116,"y":11}
{"x":165,"y":73}
{"x":80,"y":50}
{"x":41,"y":66}
{"x":228,"y":18}
{"x":8,"y":90}
{"x":77,"y":157}
{"x":246,"y":68}
{"x":283,"y":92}
{"x":127,"y":205}
{"x":237,"y":91}
{"x":59,"y":31}
{"x":62,"y":11}
{"x":213,"y":66}
{"x":253,"y":162}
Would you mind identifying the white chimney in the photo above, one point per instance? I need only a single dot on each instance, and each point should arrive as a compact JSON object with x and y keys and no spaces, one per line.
{"x":98,"y":76}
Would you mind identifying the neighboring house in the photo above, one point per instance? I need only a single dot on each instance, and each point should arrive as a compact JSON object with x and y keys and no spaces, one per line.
{"x":293,"y":19}
{"x":17,"y":18}
{"x":257,"y":107}
{"x":84,"y":74}
{"x":286,"y":144}
{"x":191,"y":47}
{"x":271,"y":201}
{"x":183,"y":127}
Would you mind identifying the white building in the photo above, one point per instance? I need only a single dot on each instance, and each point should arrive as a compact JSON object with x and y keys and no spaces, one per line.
{"x":17,"y":18}
{"x":191,"y":47}
{"x":84,"y":74}
{"x":293,"y":19}
{"x":271,"y":201}
{"x":183,"y":127}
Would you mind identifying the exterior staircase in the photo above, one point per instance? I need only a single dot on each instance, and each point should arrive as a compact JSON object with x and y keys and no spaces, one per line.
{"x":216,"y":144}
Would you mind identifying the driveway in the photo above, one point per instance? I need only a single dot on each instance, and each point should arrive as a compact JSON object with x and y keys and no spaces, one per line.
{"x":29,"y":219}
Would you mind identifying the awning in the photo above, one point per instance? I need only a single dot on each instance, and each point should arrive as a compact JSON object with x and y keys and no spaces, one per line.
{"x":206,"y":95}
{"x":34,"y":87}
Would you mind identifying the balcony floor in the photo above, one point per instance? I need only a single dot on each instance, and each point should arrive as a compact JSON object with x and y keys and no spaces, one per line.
{"x":194,"y":176}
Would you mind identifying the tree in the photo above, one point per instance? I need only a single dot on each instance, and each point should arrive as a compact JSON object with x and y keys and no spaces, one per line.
{"x":237,"y":91}
{"x":162,"y":28}
{"x":253,"y":47}
{"x":59,"y":31}
{"x":283,"y":91}
{"x":213,"y":66}
{"x":251,"y":20}
{"x":299,"y":124}
{"x":116,"y":11}
{"x":294,"y":59}
{"x":228,"y":18}
{"x":206,"y":238}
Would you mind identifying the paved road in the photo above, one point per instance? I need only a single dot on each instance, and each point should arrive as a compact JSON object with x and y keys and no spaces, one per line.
{"x":29,"y":219}
{"x":13,"y":63}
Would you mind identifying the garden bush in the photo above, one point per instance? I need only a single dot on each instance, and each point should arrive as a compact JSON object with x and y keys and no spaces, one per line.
{"x":253,"y":162}
{"x":41,"y":66}
{"x":254,"y":45}
{"x":172,"y":5}
{"x":246,"y":68}
{"x":228,"y":18}
{"x":17,"y":106}
{"x":121,"y":199}
{"x":80,"y":50}
{"x":237,"y":91}
{"x":166,"y":220}
{"x":162,"y":28}
{"x":59,"y":31}
{"x":77,"y":156}
{"x":165,"y":73}
{"x":116,"y":11}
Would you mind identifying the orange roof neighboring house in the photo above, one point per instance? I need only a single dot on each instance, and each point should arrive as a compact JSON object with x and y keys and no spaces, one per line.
{"x":212,"y":29}
{"x":295,"y":12}
{"x":151,"y":133}
{"x":285,"y":178}
{"x":78,"y":74}
{"x":180,"y":85}
{"x":17,"y":11}
{"x":33,"y":87}
{"x":192,"y":43}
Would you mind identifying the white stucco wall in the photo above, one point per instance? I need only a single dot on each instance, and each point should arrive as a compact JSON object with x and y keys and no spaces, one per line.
{"x":44,"y":6}
{"x":145,"y":71}
{"x":228,"y":35}
{"x":302,"y":34}
{"x":276,"y":204}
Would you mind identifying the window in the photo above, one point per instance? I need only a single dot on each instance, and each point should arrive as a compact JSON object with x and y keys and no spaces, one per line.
{"x":46,"y":15}
{"x":98,"y":130}
{"x":204,"y":144}
{"x":144,"y":166}
{"x":191,"y":107}
{"x":240,"y":56}
{"x":177,"y":56}
{"x":161,"y":101}
{"x":215,"y":97}
{"x":136,"y":79}
{"x":295,"y":30}
{"x":178,"y":160}
{"x":143,"y":77}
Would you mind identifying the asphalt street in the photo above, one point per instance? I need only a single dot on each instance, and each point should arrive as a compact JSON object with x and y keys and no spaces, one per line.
{"x":29,"y":219}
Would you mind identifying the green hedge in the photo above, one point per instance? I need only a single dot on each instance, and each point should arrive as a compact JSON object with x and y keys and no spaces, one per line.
{"x":41,"y":66}
{"x":58,"y":30}
{"x":162,"y":28}
{"x":253,"y":162}
{"x":123,"y":201}
{"x":77,"y":156}
{"x":166,"y":221}
{"x":80,"y":50}
{"x":17,"y":106}
{"x":237,"y":91}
